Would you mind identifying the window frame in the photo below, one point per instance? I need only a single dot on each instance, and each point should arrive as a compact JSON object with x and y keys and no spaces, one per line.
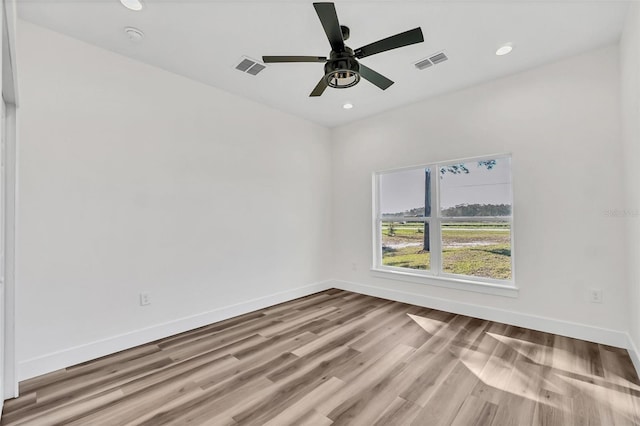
{"x":435,"y":275}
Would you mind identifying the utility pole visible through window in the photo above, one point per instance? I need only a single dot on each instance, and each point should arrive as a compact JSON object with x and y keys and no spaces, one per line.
{"x":427,"y":207}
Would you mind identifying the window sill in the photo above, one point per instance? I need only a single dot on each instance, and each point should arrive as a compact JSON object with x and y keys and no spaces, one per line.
{"x":505,"y":290}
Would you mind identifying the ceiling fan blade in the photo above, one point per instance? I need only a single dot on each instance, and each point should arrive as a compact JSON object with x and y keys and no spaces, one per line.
{"x":319,"y":89}
{"x":378,"y":79}
{"x":399,"y":40}
{"x":278,"y":59}
{"x":329,"y":19}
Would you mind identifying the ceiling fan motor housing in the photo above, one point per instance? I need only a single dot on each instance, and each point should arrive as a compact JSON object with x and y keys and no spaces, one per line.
{"x":342,"y":70}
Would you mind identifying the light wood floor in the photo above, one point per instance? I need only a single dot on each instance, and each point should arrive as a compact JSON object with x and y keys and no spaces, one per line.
{"x":337,"y":358}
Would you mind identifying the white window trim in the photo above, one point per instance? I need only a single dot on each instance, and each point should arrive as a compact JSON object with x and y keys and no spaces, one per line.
{"x":439,"y":278}
{"x":402,"y":274}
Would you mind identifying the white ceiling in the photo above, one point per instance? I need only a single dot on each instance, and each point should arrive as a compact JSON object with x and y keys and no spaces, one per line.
{"x":205,"y":39}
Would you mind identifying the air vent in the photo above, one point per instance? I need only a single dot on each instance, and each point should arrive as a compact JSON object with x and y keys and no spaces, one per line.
{"x":255,"y":69}
{"x":431,"y":60}
{"x":250,"y":66}
{"x":425,"y":63}
{"x":245,"y":65}
{"x":438,"y":57}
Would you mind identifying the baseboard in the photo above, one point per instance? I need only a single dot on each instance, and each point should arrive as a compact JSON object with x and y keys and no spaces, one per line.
{"x":633,"y":353}
{"x":564,"y":328}
{"x":54,"y":361}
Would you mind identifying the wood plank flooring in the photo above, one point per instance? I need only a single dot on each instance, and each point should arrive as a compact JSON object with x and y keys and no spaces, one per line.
{"x":340,"y":358}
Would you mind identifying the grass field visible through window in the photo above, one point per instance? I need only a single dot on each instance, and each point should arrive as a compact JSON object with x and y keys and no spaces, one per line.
{"x":474,"y":249}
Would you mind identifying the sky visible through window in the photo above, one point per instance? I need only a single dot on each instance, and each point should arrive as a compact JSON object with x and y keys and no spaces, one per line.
{"x":405,"y":190}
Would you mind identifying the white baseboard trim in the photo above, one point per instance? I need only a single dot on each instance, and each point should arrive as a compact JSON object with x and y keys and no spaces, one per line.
{"x":633,"y":353}
{"x":564,"y":328}
{"x":65,"y":358}
{"x":54,"y":361}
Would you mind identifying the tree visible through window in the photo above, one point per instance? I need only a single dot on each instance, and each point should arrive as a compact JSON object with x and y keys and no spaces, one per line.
{"x":449,"y":219}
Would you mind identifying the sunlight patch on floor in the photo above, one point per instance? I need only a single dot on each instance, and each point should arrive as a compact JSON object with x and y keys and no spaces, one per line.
{"x":496,"y":374}
{"x":533,"y":351}
{"x":620,"y":401}
{"x":429,"y":325}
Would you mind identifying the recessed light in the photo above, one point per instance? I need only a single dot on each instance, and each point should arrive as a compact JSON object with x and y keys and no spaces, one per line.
{"x":504,"y":49}
{"x":132,"y":4}
{"x":134,"y":34}
{"x":347,"y":105}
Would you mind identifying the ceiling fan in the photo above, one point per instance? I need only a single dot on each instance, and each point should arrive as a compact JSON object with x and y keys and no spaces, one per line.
{"x":342,"y":69}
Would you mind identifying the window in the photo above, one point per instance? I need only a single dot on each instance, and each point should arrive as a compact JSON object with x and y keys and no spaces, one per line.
{"x":449,"y":220}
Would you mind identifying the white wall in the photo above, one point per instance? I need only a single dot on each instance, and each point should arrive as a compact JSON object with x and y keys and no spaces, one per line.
{"x":561,"y":122}
{"x":630,"y":67}
{"x":134,"y":179}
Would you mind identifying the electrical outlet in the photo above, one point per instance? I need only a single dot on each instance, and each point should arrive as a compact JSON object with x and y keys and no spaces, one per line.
{"x":145,"y":299}
{"x":596,"y":295}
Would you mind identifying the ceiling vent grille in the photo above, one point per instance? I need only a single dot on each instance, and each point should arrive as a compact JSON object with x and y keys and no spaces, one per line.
{"x":438,"y":57}
{"x":425,"y":63}
{"x":431,"y":60}
{"x":255,"y":69}
{"x":250,"y":66}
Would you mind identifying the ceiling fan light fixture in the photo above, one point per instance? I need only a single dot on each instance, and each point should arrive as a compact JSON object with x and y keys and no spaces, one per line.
{"x":341,"y":79}
{"x":135,"y":5}
{"x":342,"y":73}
